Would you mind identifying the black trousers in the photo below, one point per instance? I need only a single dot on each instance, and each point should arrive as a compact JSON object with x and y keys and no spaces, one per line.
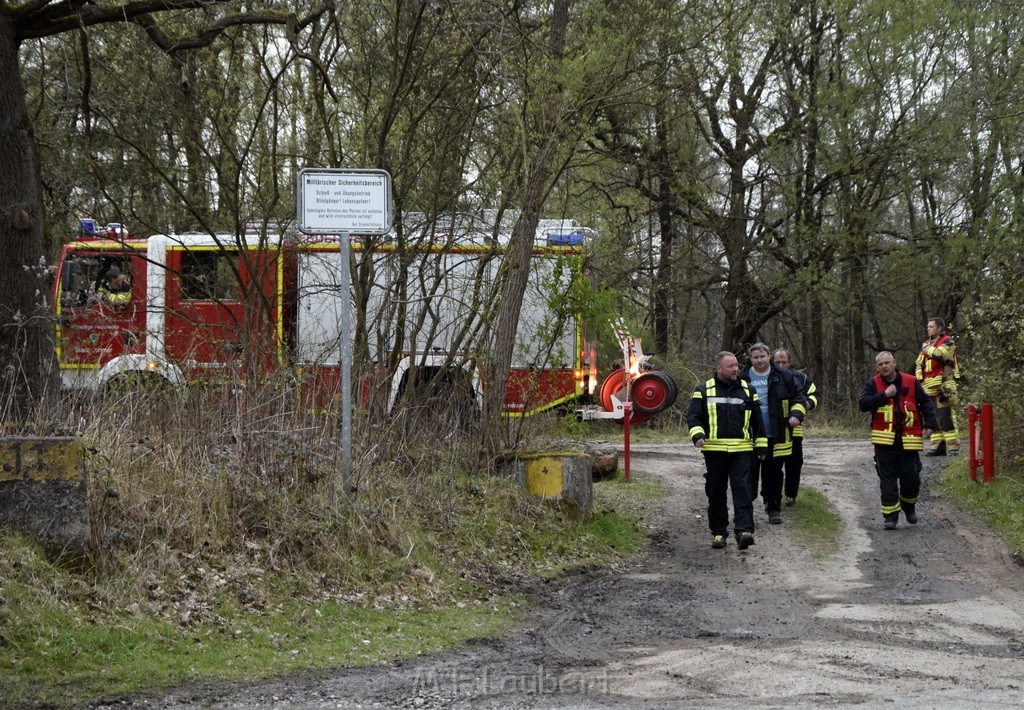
{"x":725,"y":471}
{"x":794,"y":464}
{"x":899,"y":477}
{"x":769,"y":473}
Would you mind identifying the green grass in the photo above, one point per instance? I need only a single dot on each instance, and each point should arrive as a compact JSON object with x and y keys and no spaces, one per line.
{"x":815,"y":522}
{"x":999,"y":503}
{"x":111,"y":656}
{"x":69,"y":636}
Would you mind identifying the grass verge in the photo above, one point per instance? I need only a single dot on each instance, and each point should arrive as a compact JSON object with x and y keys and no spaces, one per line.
{"x":816,"y":523}
{"x":999,"y":503}
{"x":68,"y":635}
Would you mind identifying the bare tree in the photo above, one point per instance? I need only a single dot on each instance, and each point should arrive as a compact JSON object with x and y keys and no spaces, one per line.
{"x":29,"y":376}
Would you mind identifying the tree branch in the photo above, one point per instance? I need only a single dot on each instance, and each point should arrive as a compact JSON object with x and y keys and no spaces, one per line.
{"x":43,"y":18}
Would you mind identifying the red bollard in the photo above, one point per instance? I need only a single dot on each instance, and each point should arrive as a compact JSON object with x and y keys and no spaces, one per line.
{"x":627,"y":412}
{"x":981,"y":449}
{"x":972,"y":441}
{"x":988,"y":455}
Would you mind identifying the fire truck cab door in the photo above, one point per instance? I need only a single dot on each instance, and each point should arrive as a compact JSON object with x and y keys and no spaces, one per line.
{"x":91,"y":330}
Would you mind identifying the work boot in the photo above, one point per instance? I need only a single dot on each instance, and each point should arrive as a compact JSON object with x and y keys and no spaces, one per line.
{"x":718,"y":542}
{"x":774,"y":517}
{"x":939,"y":450}
{"x":745,"y":540}
{"x":910,"y":513}
{"x":891,"y":521}
{"x":790,"y":500}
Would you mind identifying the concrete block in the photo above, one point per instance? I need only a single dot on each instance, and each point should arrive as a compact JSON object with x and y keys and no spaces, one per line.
{"x":560,"y":477}
{"x":43,"y":490}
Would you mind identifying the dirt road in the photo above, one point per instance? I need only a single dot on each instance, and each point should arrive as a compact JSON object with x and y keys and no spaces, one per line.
{"x":930,"y":616}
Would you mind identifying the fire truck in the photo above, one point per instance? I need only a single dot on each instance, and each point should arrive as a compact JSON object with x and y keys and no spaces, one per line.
{"x":239,"y":308}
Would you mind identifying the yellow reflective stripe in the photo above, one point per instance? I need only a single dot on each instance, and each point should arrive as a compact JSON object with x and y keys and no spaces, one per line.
{"x":762,"y":442}
{"x":932,"y":385}
{"x":890,"y":509}
{"x":886,"y":438}
{"x":913,"y":443}
{"x":782,"y":449}
{"x":728,"y":445}
{"x":694,"y":431}
{"x":911,"y":501}
{"x":709,"y":386}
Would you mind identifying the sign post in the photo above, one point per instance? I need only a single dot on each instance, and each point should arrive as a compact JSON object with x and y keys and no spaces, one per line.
{"x":344,"y":202}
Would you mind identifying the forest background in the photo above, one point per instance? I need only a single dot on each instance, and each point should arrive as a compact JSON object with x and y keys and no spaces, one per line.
{"x":821,"y":176}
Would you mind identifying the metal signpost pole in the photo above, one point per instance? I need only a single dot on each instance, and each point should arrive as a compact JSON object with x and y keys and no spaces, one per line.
{"x":341,"y":202}
{"x":345,"y":342}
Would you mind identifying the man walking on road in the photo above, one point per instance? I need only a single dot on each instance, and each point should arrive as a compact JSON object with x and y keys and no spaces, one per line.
{"x":783,"y":405}
{"x":725,"y":424}
{"x":902,"y":417}
{"x":937,"y":370}
{"x":794,"y":463}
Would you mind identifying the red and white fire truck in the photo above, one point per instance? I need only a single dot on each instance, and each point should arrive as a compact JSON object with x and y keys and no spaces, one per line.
{"x":231,"y":308}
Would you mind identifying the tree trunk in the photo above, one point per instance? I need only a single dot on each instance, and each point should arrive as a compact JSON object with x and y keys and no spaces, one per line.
{"x":666,"y":224}
{"x":515,"y":268}
{"x":28,"y":365}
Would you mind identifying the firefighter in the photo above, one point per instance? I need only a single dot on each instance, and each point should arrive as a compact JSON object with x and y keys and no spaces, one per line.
{"x":783,"y":406}
{"x":902,"y":418}
{"x":725,"y":424}
{"x":795,"y":461}
{"x":115,"y":289}
{"x":938,"y":372}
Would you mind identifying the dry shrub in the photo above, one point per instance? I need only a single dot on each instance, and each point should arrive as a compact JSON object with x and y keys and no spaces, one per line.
{"x":234,"y":491}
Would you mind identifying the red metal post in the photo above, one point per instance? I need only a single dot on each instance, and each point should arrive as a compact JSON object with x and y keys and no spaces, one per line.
{"x":988,"y":443}
{"x":627,"y":412}
{"x":972,"y":441}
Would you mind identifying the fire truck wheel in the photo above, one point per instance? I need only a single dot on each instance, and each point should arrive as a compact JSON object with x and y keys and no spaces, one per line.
{"x":614,"y":384}
{"x":138,"y":384}
{"x":654,"y":392}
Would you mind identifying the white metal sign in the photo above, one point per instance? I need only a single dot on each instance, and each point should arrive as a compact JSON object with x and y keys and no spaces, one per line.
{"x":344,"y":201}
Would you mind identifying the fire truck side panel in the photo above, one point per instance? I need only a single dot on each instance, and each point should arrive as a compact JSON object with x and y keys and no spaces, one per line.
{"x":547,"y":356}
{"x":200,"y":303}
{"x":214,"y":316}
{"x":435,"y":322}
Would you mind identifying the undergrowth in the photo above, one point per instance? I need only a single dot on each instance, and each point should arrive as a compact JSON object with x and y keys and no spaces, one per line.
{"x":222,"y":530}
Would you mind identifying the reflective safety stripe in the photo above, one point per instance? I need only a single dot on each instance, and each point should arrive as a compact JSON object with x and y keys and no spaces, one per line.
{"x":885,"y":438}
{"x":713,"y":442}
{"x":912,"y":443}
{"x":890,"y":509}
{"x":782,"y":448}
{"x":709,"y":386}
{"x":908,"y":501}
{"x":729,"y":445}
{"x":725,"y":400}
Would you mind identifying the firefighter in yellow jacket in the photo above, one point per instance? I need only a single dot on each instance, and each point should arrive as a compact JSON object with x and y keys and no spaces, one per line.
{"x":937,"y":371}
{"x":115,"y":289}
{"x":726,"y":425}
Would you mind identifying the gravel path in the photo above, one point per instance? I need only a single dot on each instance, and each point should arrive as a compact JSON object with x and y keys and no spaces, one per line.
{"x":929,"y":616}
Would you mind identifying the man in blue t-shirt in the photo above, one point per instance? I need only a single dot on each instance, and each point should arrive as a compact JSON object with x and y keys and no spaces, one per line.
{"x":783,"y":406}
